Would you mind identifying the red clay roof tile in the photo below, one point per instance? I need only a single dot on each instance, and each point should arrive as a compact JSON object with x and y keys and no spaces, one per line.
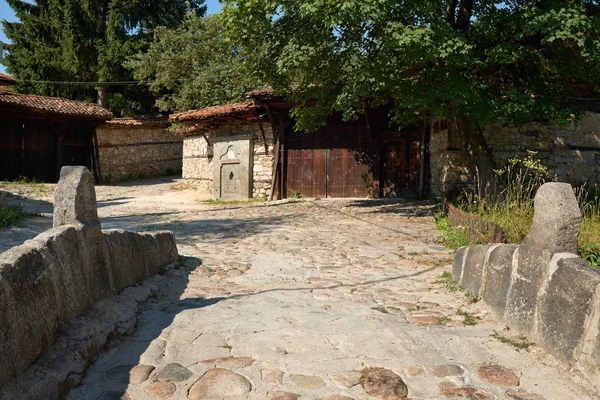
{"x":214,"y":112}
{"x":7,"y":79}
{"x":53,"y":105}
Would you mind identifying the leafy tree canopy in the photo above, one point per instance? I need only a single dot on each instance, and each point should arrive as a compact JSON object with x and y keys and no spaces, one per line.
{"x":468,"y":60}
{"x":86,"y":41}
{"x":193,"y":66}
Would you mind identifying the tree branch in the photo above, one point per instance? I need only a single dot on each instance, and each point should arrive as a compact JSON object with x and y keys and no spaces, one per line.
{"x":450,"y":12}
{"x":593,"y":8}
{"x":464,"y":15}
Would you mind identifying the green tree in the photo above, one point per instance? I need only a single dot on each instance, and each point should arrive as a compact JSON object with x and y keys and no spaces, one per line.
{"x":193,"y":66}
{"x":86,"y":41}
{"x":468,"y":61}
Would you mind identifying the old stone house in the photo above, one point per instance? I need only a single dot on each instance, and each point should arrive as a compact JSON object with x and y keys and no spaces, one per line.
{"x":133,"y":148}
{"x":251,"y":149}
{"x":229,"y":148}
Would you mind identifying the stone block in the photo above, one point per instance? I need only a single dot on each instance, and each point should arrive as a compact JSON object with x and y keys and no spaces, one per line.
{"x":63,"y":248}
{"x":569,"y":296}
{"x":137,"y":256}
{"x":588,"y":353}
{"x":459,"y":262}
{"x":75,"y":199}
{"x":472,"y":274}
{"x":556,"y":223}
{"x":498,"y":272}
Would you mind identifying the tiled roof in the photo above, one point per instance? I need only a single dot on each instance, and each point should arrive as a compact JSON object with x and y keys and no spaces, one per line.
{"x":131,"y":121}
{"x":6,"y":79}
{"x":52,"y":105}
{"x":260,"y":92}
{"x":228,"y":110}
{"x":187,"y":131}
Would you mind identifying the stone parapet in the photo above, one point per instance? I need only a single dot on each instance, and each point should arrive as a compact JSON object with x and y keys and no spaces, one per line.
{"x":542,"y":288}
{"x":53,"y":278}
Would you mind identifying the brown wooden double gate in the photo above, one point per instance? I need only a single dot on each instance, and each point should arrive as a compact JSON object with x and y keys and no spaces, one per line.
{"x":343,"y":159}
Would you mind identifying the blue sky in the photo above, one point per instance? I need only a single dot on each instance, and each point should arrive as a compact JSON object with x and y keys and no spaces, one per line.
{"x":7,"y":13}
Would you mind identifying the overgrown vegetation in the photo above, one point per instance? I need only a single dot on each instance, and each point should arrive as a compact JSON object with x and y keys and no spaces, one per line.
{"x":513,"y":208}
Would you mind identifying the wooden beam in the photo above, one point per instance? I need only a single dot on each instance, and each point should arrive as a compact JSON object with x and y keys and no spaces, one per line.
{"x":97,"y":154}
{"x":275,"y":169}
{"x":262,"y":131}
{"x":425,"y":126}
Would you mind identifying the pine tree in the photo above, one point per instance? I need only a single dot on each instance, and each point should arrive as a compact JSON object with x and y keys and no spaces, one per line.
{"x":87,"y":41}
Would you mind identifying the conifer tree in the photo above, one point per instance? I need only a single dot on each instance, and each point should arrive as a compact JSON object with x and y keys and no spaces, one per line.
{"x":87,"y":41}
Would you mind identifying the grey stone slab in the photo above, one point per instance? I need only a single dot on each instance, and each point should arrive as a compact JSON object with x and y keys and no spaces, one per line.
{"x":498,"y":276}
{"x":459,"y":262}
{"x":472,"y":275}
{"x":556,"y":224}
{"x":566,"y":305}
{"x":75,"y":198}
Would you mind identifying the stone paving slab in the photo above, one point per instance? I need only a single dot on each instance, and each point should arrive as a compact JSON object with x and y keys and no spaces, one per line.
{"x":304,"y":299}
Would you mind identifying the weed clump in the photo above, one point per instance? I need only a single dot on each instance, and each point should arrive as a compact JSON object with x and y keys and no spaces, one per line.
{"x":12,"y":215}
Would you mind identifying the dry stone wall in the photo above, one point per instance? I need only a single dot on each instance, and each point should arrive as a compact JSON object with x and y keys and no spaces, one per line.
{"x":53,"y":278}
{"x":542,"y":288}
{"x":198,"y":154}
{"x":132,"y":148}
{"x":571,"y":152}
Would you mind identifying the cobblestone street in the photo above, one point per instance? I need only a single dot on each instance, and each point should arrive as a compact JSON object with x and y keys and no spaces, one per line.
{"x":305,"y":299}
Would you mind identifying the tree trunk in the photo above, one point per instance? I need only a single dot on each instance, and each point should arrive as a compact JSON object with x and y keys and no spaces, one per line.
{"x":103,"y":96}
{"x":480,"y":158}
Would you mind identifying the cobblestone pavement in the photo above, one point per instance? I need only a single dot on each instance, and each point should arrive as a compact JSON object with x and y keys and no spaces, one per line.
{"x":321,"y":299}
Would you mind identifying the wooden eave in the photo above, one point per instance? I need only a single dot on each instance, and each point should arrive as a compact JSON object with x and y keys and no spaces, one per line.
{"x":8,"y":111}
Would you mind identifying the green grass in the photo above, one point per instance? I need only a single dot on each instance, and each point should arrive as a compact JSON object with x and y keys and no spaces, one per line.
{"x":520,"y":344}
{"x":468,"y":319}
{"x":12,"y":215}
{"x":29,"y":183}
{"x":452,"y":237}
{"x":451,"y":285}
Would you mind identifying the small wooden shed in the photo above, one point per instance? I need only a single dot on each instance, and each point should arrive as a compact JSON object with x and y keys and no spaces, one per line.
{"x":39,"y":135}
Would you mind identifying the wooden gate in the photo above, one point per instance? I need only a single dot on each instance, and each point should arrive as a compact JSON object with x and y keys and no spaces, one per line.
{"x":32,"y":148}
{"x":11,"y":143}
{"x":401,"y":160}
{"x":339,"y":160}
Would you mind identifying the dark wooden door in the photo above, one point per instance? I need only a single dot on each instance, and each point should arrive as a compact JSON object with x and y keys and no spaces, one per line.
{"x":306,"y":168}
{"x":351,"y":159}
{"x":339,"y":160}
{"x":11,"y":145}
{"x":39,"y":152}
{"x":400,"y":166}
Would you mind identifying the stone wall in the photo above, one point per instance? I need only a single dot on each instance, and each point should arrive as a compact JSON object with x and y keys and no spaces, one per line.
{"x":53,"y":278}
{"x":571,"y":152}
{"x":542,"y":288}
{"x":130,"y":148}
{"x":198,"y":154}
